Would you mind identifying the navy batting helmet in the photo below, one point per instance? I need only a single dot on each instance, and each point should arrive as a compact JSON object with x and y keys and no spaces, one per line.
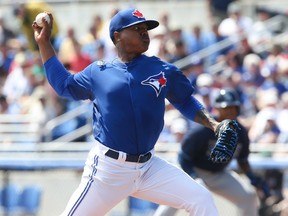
{"x":225,"y":98}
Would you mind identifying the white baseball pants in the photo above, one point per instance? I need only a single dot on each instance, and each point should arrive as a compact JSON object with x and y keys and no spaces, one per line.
{"x":107,"y":181}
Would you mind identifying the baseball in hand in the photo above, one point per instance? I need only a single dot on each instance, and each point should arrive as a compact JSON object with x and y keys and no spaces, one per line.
{"x":39,"y":19}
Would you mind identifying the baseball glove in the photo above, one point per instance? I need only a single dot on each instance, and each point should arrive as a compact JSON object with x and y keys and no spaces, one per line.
{"x":227,"y":139}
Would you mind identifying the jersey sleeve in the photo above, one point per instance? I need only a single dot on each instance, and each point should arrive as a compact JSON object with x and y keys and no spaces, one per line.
{"x":180,"y":94}
{"x":189,"y":107}
{"x":74,"y":86}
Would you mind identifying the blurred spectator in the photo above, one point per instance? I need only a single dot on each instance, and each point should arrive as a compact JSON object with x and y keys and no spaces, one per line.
{"x":5,"y":32}
{"x":234,"y":61}
{"x":35,"y":105}
{"x":38,"y":69}
{"x":272,"y":79}
{"x":264,"y":128}
{"x":67,"y":47}
{"x":164,"y":21}
{"x":161,"y":38}
{"x":252,"y":70}
{"x":3,"y":76}
{"x":6,"y":55}
{"x":274,"y":54}
{"x":3,"y":104}
{"x":275,"y":68}
{"x":236,"y":24}
{"x":92,"y":45}
{"x":88,"y":38}
{"x":203,"y":95}
{"x":204,"y":80}
{"x":215,"y":37}
{"x":101,"y":51}
{"x":80,"y":60}
{"x":204,"y":89}
{"x":26,"y":13}
{"x":229,"y":74}
{"x":97,"y":23}
{"x":218,"y":8}
{"x":8,"y":106}
{"x":194,"y":69}
{"x":251,"y":80}
{"x":17,"y":83}
{"x":228,"y":78}
{"x":180,"y":51}
{"x":158,"y":39}
{"x":243,"y":48}
{"x":197,"y":39}
{"x":26,"y":75}
{"x":176,"y":34}
{"x":282,"y":117}
{"x":260,"y":37}
{"x":105,"y":38}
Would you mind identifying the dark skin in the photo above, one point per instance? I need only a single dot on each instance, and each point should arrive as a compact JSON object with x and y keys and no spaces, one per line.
{"x":130,"y":43}
{"x":230,"y":112}
{"x":42,"y":38}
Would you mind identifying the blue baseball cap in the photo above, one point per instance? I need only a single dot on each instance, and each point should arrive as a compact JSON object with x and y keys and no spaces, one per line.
{"x":129,"y":17}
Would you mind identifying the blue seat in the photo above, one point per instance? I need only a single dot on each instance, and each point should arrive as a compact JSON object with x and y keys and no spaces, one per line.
{"x":140,"y":207}
{"x":30,"y":199}
{"x":10,"y":198}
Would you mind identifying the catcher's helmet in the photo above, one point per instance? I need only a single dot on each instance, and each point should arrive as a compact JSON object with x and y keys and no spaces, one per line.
{"x":225,"y":98}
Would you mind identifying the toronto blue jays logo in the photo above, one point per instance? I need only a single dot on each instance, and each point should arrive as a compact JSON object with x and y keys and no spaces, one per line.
{"x":137,"y":14}
{"x":157,"y":82}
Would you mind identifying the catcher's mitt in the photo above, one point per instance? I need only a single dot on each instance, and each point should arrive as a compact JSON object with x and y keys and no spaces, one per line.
{"x":227,"y":138}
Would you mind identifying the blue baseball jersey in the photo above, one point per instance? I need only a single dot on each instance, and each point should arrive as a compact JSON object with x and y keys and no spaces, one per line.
{"x":128,"y":98}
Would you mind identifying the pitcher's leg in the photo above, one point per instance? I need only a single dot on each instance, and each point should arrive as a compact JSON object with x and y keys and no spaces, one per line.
{"x":90,"y":199}
{"x":105,"y":182}
{"x":165,"y":184}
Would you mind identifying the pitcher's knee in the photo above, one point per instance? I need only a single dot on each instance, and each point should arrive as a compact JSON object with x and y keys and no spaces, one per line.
{"x":202,"y":205}
{"x":205,"y":196}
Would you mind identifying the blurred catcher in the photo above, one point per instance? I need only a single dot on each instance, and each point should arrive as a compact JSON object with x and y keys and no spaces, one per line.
{"x":194,"y":160}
